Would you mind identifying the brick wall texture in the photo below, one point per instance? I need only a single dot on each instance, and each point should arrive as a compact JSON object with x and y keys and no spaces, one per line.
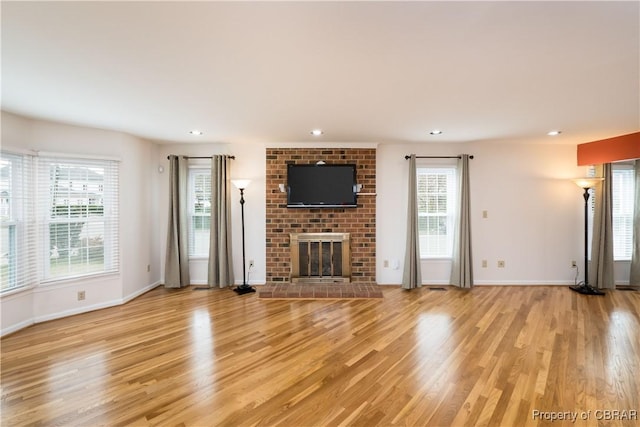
{"x":360,"y":222}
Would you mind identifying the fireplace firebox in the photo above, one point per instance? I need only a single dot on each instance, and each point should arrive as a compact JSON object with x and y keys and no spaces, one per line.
{"x":320,"y":258}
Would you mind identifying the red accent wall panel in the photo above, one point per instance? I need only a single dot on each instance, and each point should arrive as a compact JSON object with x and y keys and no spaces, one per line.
{"x":625,"y":147}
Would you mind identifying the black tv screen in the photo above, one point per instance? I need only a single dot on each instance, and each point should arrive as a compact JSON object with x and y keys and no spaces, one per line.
{"x":321,"y":186}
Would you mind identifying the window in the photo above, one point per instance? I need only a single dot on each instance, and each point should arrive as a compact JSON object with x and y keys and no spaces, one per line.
{"x":623,"y":201}
{"x":199,"y":211}
{"x":436,"y":210}
{"x":78,"y":205}
{"x":17,"y":233}
{"x":623,"y":196}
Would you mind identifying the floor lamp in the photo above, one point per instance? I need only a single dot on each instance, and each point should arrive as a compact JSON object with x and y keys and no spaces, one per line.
{"x":584,"y":287}
{"x":242,"y":184}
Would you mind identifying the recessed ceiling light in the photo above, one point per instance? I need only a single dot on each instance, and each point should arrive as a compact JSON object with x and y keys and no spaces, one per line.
{"x":195,"y":132}
{"x":436,"y":132}
{"x":316,"y":132}
{"x":554,"y":132}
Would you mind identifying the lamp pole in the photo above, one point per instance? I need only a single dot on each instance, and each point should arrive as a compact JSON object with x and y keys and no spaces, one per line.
{"x":584,"y":287}
{"x":242,"y":184}
{"x":585,"y":195}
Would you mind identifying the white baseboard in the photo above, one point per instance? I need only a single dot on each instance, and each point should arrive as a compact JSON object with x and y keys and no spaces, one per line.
{"x":235,"y":283}
{"x":536,"y":282}
{"x":251,"y":282}
{"x":498,"y":283}
{"x":14,"y":328}
{"x":435,"y":283}
{"x":74,"y":311}
{"x":523,"y":282}
{"x":80,"y":310}
{"x":139,"y":292}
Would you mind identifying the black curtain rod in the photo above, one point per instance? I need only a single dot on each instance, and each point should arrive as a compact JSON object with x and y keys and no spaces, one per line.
{"x":436,"y":157}
{"x":198,"y":157}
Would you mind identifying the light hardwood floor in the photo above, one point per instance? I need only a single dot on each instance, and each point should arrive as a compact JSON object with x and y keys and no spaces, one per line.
{"x":491,"y":356}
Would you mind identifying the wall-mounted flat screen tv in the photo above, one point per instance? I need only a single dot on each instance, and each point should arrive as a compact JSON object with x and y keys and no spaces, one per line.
{"x":321,"y":186}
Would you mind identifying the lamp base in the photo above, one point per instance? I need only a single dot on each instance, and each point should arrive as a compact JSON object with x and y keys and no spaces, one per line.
{"x":585,"y":289}
{"x":243,"y":289}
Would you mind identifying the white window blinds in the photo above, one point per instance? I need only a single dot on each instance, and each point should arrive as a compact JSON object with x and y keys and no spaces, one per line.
{"x":623,"y":186}
{"x":78,"y":214}
{"x":623,"y":190}
{"x":199,"y":212}
{"x":18,"y":267}
{"x":436,"y":210}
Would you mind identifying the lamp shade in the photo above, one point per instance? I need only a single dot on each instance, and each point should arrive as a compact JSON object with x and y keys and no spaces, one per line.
{"x":587,"y":182}
{"x":241,"y":184}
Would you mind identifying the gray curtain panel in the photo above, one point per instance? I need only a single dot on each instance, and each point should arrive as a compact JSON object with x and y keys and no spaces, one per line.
{"x":601,"y":268}
{"x":412,"y":276}
{"x":634,"y":277}
{"x":462,"y":266}
{"x":220,"y":272}
{"x":176,"y":269}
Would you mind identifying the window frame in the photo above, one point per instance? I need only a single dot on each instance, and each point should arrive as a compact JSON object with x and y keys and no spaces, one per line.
{"x":451,"y":172}
{"x":194,"y":172}
{"x":108,"y":221}
{"x":617,"y":169}
{"x":19,"y":219}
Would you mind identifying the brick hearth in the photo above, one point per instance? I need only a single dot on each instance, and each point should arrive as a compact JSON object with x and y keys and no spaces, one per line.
{"x":320,"y":291}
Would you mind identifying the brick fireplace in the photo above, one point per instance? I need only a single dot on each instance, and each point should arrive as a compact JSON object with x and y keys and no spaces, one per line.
{"x":359,"y":223}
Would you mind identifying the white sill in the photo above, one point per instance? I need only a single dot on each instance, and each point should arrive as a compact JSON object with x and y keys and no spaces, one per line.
{"x":67,"y":280}
{"x":16,"y":291}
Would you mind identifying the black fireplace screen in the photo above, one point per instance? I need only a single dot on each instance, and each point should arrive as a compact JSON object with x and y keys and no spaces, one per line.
{"x":320,"y":259}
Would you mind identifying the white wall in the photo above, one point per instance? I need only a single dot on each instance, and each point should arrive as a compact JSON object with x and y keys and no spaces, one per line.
{"x":534,"y":223}
{"x":535,"y":213}
{"x":249,"y":163}
{"x":136,"y":219}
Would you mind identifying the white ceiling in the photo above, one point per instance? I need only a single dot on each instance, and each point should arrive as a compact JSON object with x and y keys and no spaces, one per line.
{"x":362,"y":71}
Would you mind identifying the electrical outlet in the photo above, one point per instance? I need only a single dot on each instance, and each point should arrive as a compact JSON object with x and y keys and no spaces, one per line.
{"x":484,"y":263}
{"x":573,"y":264}
{"x":81,"y":295}
{"x":500,"y":264}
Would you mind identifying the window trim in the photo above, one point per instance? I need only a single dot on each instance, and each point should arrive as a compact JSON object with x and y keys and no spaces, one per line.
{"x":452,"y":207}
{"x":627,"y":167}
{"x":195,"y":170}
{"x":591,"y":211}
{"x":111,"y":222}
{"x":33,"y":199}
{"x":21,"y":219}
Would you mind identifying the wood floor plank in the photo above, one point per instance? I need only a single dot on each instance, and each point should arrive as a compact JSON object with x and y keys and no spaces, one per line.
{"x":490,"y":356}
